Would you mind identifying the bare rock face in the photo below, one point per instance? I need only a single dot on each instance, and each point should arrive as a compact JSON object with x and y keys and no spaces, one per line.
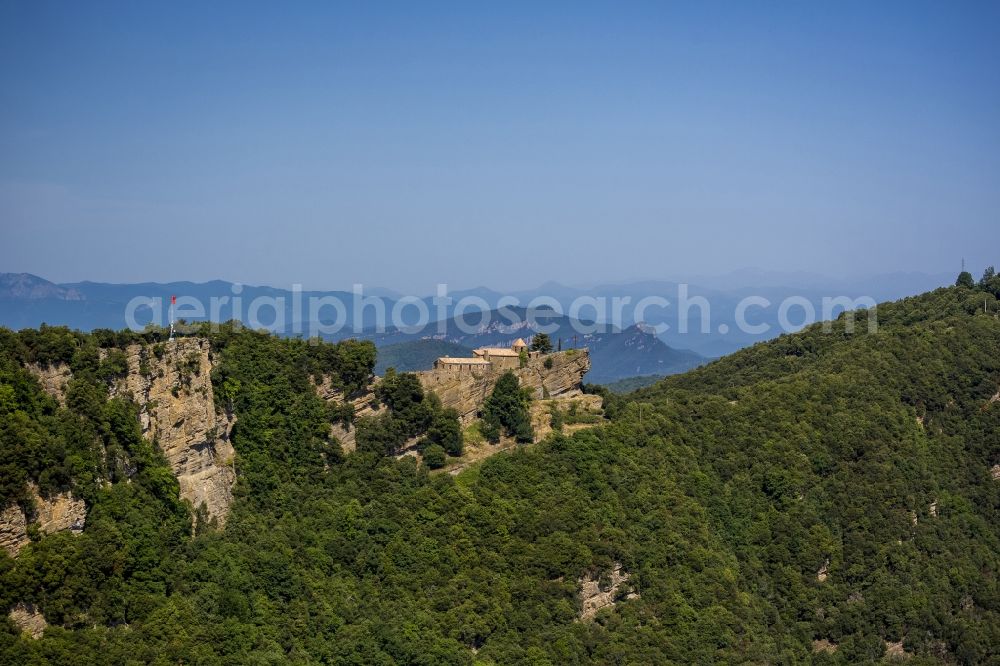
{"x":564,"y":378}
{"x":13,"y":530}
{"x":172,"y":384}
{"x":594,"y":596}
{"x":824,"y":571}
{"x":326,"y":390}
{"x":53,"y":379}
{"x":62,"y":511}
{"x":365,"y":405}
{"x":28,"y":619}
{"x":466,"y":391}
{"x":541,"y":412}
{"x":59,"y":512}
{"x":824,"y":645}
{"x":894,"y":651}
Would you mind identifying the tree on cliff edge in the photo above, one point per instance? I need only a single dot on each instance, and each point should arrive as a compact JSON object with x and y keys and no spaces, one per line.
{"x":506,"y":411}
{"x":541,"y":343}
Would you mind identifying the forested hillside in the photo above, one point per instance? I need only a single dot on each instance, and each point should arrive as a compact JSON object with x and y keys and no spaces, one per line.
{"x":866,"y":459}
{"x":825,"y":497}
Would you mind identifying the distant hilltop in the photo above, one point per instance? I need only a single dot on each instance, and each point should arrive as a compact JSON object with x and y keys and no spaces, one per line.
{"x":28,"y":287}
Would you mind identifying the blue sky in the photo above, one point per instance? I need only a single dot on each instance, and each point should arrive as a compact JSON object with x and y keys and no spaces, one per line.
{"x":503,"y":144}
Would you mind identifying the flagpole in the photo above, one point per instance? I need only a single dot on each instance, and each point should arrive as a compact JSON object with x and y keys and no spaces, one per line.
{"x":173,"y":299}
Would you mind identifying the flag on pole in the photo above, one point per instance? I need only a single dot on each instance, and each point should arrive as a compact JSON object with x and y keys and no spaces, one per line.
{"x":173,"y":302}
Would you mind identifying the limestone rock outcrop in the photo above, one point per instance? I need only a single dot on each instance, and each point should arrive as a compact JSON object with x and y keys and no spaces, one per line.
{"x":13,"y":529}
{"x":172,"y":384}
{"x":594,"y":596}
{"x":994,"y":398}
{"x":61,"y":511}
{"x":541,"y":412}
{"x":28,"y":619}
{"x":894,"y":651}
{"x":53,"y":379}
{"x":824,"y":571}
{"x":364,"y":406}
{"x":466,"y":391}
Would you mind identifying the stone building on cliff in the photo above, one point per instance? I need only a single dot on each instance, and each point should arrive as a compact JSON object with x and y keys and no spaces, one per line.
{"x":488,"y":358}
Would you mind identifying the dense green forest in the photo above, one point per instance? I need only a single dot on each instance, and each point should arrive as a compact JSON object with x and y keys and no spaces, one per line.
{"x":723,"y":492}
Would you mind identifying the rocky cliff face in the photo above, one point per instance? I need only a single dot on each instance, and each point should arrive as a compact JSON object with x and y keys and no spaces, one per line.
{"x":53,"y":379}
{"x":541,"y":412}
{"x":28,"y":619}
{"x":466,"y":391}
{"x":13,"y":529}
{"x":365,"y":405}
{"x":62,"y":511}
{"x":171,"y":383}
{"x":173,"y":387}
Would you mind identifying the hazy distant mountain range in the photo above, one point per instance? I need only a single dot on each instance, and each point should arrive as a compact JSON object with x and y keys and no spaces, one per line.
{"x":416,"y":354}
{"x":624,"y":350}
{"x":614,"y":353}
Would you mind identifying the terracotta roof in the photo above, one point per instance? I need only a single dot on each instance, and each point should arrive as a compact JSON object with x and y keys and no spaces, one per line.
{"x":518,"y":344}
